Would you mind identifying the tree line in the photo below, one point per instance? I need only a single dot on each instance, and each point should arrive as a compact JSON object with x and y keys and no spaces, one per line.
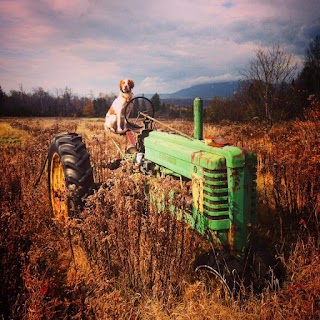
{"x":63,"y":103}
{"x":271,"y":90}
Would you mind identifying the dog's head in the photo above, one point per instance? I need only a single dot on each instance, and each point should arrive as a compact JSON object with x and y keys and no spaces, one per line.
{"x":126,"y":85}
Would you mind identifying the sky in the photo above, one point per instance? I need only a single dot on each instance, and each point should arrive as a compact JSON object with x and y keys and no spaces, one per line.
{"x":164,"y":45}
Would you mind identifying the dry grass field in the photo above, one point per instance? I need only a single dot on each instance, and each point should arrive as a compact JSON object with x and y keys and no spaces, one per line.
{"x":114,"y":262}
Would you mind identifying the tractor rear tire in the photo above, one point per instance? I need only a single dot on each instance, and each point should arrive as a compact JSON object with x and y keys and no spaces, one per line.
{"x":70,"y":176}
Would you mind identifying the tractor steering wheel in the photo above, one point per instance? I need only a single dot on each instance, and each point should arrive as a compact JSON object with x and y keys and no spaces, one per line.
{"x":136,"y":110}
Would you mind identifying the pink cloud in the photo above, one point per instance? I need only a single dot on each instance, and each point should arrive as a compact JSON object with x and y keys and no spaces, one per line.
{"x":24,"y":29}
{"x":69,"y":8}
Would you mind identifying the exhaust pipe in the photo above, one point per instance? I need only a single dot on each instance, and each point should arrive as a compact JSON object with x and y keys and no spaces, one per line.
{"x":198,"y":118}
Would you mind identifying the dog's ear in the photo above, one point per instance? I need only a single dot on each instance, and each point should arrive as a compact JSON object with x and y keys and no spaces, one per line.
{"x":121,"y":83}
{"x":131,"y":83}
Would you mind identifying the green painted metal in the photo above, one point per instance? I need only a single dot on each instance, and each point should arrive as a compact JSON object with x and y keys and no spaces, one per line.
{"x":198,"y":121}
{"x":223,"y":183}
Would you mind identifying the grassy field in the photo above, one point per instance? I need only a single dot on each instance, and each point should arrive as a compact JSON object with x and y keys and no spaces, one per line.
{"x":115,"y":263}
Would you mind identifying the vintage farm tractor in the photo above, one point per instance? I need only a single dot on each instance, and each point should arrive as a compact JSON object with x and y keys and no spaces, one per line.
{"x":222,"y":179}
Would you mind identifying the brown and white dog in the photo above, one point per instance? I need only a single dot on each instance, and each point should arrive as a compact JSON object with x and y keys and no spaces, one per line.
{"x":115,"y":118}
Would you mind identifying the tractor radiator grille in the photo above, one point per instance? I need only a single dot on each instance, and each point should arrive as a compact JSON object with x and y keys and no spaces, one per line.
{"x":215,"y":194}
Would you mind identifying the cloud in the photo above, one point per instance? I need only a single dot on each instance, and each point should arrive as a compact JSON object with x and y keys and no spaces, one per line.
{"x":149,"y":83}
{"x":88,"y":45}
{"x":220,"y":78}
{"x":73,"y":8}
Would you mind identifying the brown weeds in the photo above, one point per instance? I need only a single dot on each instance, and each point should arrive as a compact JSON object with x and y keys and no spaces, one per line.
{"x":123,"y":260}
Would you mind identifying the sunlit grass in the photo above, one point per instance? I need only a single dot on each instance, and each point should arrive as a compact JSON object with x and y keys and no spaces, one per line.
{"x":8,"y":134}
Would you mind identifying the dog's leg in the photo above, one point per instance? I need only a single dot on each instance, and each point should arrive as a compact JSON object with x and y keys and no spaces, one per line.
{"x":119,"y":123}
{"x":110,"y":123}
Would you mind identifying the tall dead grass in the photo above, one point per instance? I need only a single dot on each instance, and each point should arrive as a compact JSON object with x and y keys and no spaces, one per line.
{"x":122,"y":260}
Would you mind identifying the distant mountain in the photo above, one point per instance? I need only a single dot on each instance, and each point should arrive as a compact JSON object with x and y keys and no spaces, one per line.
{"x":205,"y":91}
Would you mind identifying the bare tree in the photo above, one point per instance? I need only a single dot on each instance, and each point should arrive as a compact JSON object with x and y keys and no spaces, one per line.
{"x":311,"y":71}
{"x":268,"y":74}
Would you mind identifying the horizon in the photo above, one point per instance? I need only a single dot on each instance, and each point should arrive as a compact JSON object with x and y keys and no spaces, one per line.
{"x":137,"y":94}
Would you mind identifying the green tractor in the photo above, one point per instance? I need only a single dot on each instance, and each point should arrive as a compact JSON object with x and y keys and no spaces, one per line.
{"x":222,"y":180}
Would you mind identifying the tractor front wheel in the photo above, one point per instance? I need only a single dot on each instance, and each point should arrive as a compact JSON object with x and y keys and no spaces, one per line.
{"x":220,"y":272}
{"x":70,"y":177}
